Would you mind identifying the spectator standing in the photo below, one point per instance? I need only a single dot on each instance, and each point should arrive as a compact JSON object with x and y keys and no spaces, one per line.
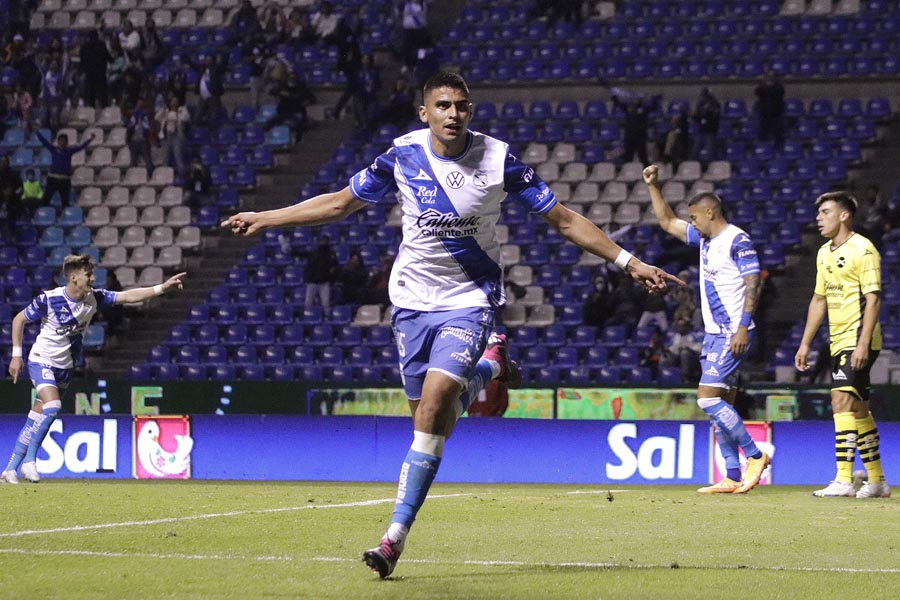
{"x":51,"y":97}
{"x":138,"y":132}
{"x":152,"y":48}
{"x":349,"y":62}
{"x":198,"y":184}
{"x":676,"y":143}
{"x":293,"y":96}
{"x":59,"y":179}
{"x":654,"y":312}
{"x":707,"y":114}
{"x":875,"y":215}
{"x":354,"y":280}
{"x":177,"y":82}
{"x":637,"y":110}
{"x":243,"y":23}
{"x":94,"y":60}
{"x":211,"y":87}
{"x":415,"y":30}
{"x":325,"y":23}
{"x":770,"y":106}
{"x":173,"y":121}
{"x":256,"y":61}
{"x":321,"y":268}
{"x":11,"y":208}
{"x":130,"y":40}
{"x":23,"y":103}
{"x":115,"y":70}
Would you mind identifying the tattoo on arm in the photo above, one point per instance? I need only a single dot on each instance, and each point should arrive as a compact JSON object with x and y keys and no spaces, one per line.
{"x":751,"y":297}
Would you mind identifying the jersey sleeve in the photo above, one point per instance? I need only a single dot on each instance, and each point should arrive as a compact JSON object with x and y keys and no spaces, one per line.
{"x":869,"y":270}
{"x":820,"y":279}
{"x":376,"y":181}
{"x":37,"y":310}
{"x":521,"y":182}
{"x":744,"y":255}
{"x":692,"y":236}
{"x":105,"y":298}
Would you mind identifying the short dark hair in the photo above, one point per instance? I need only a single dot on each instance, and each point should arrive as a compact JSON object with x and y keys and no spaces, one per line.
{"x":445,"y":79}
{"x":700,"y":196}
{"x":842,"y":198}
{"x":77,"y":262}
{"x":62,"y":137}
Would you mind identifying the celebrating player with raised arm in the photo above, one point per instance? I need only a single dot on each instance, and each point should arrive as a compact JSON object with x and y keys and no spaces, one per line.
{"x":446,"y":283}
{"x":65,"y":313}
{"x":729,"y":293}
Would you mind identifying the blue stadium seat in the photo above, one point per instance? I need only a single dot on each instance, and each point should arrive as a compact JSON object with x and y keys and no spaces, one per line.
{"x":168,"y":372}
{"x":638,"y":376}
{"x":235,"y":334}
{"x":223,"y":372}
{"x":670,"y":375}
{"x":262,"y":334}
{"x":626,"y":357}
{"x":141,"y":372}
{"x":215,"y":355}
{"x":159,"y":355}
{"x":608,"y":375}
{"x":613,"y":336}
{"x":534,"y":356}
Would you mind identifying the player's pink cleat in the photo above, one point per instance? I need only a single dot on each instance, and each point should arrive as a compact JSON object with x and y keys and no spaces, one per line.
{"x":497,"y":351}
{"x":383,"y":559}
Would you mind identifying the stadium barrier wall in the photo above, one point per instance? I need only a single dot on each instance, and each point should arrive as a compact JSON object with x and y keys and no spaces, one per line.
{"x":370,"y":448}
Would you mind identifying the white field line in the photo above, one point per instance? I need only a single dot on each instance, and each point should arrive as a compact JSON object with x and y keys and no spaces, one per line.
{"x":29,"y":552}
{"x":599,"y":492}
{"x":425,"y":561}
{"x":236,"y":513}
{"x":624,"y":566}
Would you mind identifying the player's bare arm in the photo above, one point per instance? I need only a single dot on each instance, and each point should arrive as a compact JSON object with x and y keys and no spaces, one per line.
{"x":16,"y":363}
{"x":319,"y":210}
{"x":741,"y":338}
{"x":145,"y":293}
{"x":589,"y":237}
{"x":859,"y":358}
{"x":818,"y":306}
{"x":668,"y":220}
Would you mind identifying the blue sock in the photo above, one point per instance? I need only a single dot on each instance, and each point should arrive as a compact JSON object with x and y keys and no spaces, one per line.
{"x":416,"y":475}
{"x":729,"y":449}
{"x":41,"y":427}
{"x":726,"y":418}
{"x":483,"y":373}
{"x":22,"y":443}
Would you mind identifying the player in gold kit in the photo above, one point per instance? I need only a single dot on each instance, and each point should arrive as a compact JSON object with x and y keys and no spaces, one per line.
{"x":848,"y":287}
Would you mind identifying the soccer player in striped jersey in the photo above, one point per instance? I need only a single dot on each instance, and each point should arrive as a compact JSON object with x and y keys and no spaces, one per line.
{"x":65,"y":313}
{"x":729,"y":293}
{"x":848,"y":287}
{"x":446,"y":284}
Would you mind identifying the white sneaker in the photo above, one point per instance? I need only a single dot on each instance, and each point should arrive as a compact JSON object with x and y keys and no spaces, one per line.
{"x":836,"y":488}
{"x":29,"y":472}
{"x":9,"y":477}
{"x":874,"y":489}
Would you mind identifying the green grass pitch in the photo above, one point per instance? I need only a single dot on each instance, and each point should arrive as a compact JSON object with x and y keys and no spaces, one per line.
{"x":183,"y":539}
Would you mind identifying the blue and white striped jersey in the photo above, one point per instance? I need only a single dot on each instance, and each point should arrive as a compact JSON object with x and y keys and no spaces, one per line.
{"x":63,"y":322}
{"x":724,"y":261}
{"x":449,"y":256}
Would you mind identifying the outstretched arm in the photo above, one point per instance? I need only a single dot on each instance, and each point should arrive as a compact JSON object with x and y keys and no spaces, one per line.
{"x":325,"y":208}
{"x":145,"y":293}
{"x":588,"y":236}
{"x":667,"y":218}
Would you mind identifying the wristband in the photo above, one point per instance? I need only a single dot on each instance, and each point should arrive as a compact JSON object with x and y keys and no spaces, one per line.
{"x":623,"y":258}
{"x":17,"y":351}
{"x":158,"y":290}
{"x":746,"y":319}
